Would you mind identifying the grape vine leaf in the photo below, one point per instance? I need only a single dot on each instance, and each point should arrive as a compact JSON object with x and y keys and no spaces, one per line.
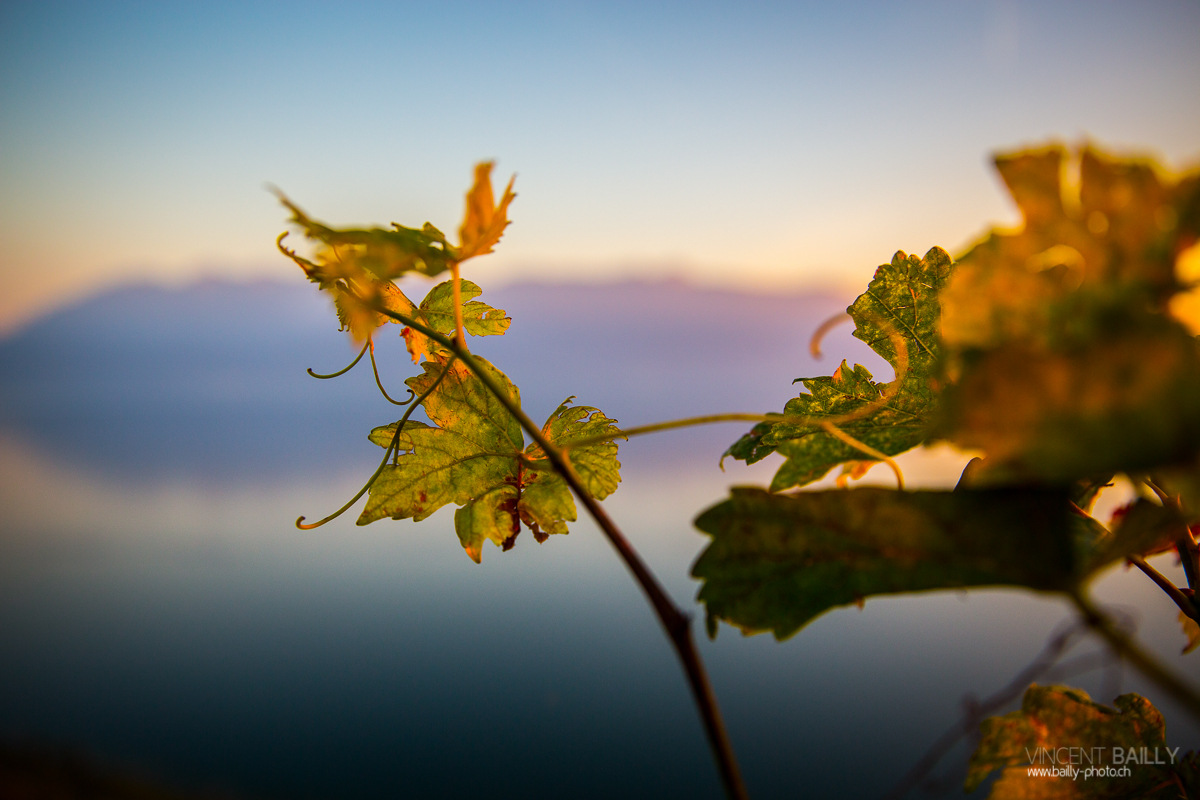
{"x":357,"y":266}
{"x":1126,"y":402}
{"x":901,"y":301}
{"x":1116,"y":233}
{"x":778,"y":561}
{"x":1059,"y":725}
{"x":1063,"y":361}
{"x":437,"y":312}
{"x":474,"y":456}
{"x":353,"y":293}
{"x":380,"y":253}
{"x":484,"y":221}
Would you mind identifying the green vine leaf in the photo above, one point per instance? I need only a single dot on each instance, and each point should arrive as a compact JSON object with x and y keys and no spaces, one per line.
{"x":596,"y":464}
{"x":437,"y":312}
{"x":475,"y":457}
{"x":778,"y":561}
{"x":1058,"y":727}
{"x":358,"y":266}
{"x":383,"y":254}
{"x":902,"y":302}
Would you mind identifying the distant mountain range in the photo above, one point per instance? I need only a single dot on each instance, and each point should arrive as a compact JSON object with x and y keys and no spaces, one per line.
{"x":209,"y":381}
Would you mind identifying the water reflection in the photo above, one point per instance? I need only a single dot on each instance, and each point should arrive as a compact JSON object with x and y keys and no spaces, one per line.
{"x":158,"y":608}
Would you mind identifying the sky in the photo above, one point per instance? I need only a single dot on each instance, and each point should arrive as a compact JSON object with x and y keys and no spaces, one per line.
{"x":755,"y":145}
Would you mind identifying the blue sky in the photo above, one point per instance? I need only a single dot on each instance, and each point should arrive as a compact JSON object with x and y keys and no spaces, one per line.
{"x":753,"y":144}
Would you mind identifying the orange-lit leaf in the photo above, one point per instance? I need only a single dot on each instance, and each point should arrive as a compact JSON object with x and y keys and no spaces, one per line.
{"x":484,"y":221}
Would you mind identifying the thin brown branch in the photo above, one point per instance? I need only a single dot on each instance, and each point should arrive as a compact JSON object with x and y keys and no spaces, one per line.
{"x":976,"y":710}
{"x":1182,"y":600}
{"x":1126,"y":648}
{"x":676,"y":623}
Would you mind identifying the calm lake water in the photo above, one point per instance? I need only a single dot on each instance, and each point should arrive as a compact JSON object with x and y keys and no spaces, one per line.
{"x":159,"y":611}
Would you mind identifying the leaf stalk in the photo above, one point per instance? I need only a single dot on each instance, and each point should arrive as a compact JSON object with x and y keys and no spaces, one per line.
{"x":1182,"y":600}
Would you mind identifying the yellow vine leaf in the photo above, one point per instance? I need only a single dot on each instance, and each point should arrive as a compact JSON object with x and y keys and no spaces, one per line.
{"x":484,"y":221}
{"x":1117,"y":230}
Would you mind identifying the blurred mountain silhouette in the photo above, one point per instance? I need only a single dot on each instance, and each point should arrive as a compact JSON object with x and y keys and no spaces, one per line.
{"x":208,"y":382}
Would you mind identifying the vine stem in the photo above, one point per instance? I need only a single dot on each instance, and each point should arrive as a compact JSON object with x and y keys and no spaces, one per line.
{"x":1164,"y":583}
{"x":675,"y":622}
{"x":458,"y":315}
{"x":1098,"y":621}
{"x":1185,"y":545}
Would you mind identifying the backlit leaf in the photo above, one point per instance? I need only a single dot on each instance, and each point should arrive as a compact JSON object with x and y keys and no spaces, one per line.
{"x":1127,"y":402}
{"x":901,"y":302}
{"x":484,"y":221}
{"x":595,"y":464}
{"x":381,"y":253}
{"x":353,"y":291}
{"x":1058,"y":727}
{"x":778,"y":561}
{"x":437,"y":312}
{"x":1063,"y":360}
{"x":357,"y":266}
{"x":1116,"y":234}
{"x":475,"y":457}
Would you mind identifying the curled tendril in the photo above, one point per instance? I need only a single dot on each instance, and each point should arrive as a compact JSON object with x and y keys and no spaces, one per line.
{"x":379,"y":383}
{"x":392,"y":447}
{"x":357,"y":358}
{"x":302,"y":262}
{"x":814,"y":344}
{"x":901,"y":349}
